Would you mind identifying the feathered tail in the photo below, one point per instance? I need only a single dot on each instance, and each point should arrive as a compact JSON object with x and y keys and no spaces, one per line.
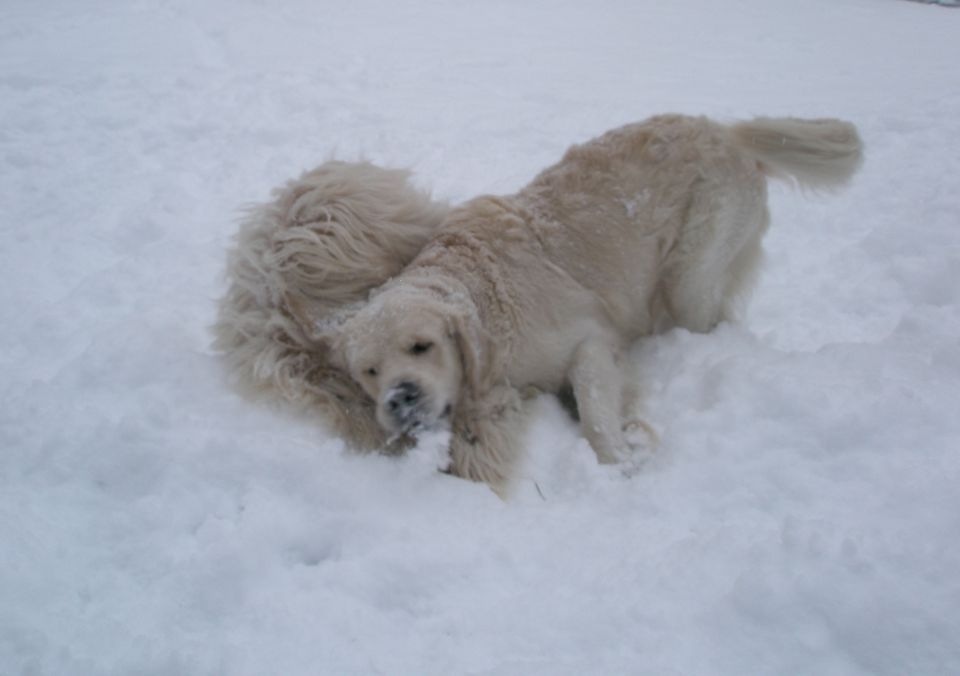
{"x":818,"y":154}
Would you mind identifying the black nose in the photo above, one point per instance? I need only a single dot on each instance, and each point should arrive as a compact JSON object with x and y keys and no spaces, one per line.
{"x":403,"y":399}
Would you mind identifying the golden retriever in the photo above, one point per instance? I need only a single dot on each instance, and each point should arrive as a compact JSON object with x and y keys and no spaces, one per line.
{"x":651,"y":225}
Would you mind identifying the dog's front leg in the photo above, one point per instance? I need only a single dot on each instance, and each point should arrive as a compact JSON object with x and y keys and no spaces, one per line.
{"x":598,"y":388}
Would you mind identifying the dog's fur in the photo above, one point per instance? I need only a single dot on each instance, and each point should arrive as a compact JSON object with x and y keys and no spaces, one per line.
{"x":649,"y":226}
{"x":303,"y":263}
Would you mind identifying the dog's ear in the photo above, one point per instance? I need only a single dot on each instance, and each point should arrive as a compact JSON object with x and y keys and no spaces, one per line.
{"x":478,"y":350}
{"x":319,"y":325}
{"x":335,"y":354}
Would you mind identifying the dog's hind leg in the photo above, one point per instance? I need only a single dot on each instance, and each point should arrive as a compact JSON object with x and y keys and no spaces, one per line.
{"x":741,"y":275}
{"x":715,"y":261}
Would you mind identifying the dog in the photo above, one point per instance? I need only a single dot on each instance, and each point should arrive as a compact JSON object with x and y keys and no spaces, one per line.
{"x":650,"y":226}
{"x":305,"y":260}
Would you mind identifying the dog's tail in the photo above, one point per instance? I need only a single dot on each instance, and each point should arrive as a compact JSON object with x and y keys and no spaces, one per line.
{"x":816,"y":154}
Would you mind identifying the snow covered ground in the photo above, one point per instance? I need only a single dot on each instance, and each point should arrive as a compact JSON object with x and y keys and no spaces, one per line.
{"x":801,"y":516}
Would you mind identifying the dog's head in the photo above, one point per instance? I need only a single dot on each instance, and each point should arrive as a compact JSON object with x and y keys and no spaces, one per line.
{"x":413,"y":351}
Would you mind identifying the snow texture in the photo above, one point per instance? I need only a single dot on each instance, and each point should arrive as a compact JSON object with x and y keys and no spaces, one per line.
{"x":800,"y":516}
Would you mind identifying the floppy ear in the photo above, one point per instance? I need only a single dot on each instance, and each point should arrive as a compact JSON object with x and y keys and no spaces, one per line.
{"x":319,"y":326}
{"x":478,"y":353}
{"x":323,"y":373}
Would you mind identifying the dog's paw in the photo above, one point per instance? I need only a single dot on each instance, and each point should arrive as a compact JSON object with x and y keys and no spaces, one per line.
{"x":634,"y":445}
{"x":614,"y":456}
{"x":640,"y":435}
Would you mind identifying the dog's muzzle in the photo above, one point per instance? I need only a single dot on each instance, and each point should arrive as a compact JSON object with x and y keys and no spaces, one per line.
{"x":406,"y":405}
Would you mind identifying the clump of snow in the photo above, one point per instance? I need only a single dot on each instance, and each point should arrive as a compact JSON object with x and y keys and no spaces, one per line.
{"x":798,"y":516}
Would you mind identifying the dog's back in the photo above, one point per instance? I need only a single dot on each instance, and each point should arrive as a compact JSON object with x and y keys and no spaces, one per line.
{"x":664,"y":218}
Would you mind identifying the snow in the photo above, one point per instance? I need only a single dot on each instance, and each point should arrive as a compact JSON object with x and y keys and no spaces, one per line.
{"x":801,"y":514}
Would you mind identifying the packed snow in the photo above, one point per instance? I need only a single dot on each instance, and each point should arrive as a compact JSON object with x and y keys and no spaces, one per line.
{"x":801,"y":514}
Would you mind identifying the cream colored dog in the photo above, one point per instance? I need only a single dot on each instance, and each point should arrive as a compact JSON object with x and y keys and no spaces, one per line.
{"x":649,"y":226}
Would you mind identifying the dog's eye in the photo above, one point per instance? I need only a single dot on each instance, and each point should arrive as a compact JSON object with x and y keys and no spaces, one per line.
{"x":420,"y":347}
{"x":371,"y":371}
